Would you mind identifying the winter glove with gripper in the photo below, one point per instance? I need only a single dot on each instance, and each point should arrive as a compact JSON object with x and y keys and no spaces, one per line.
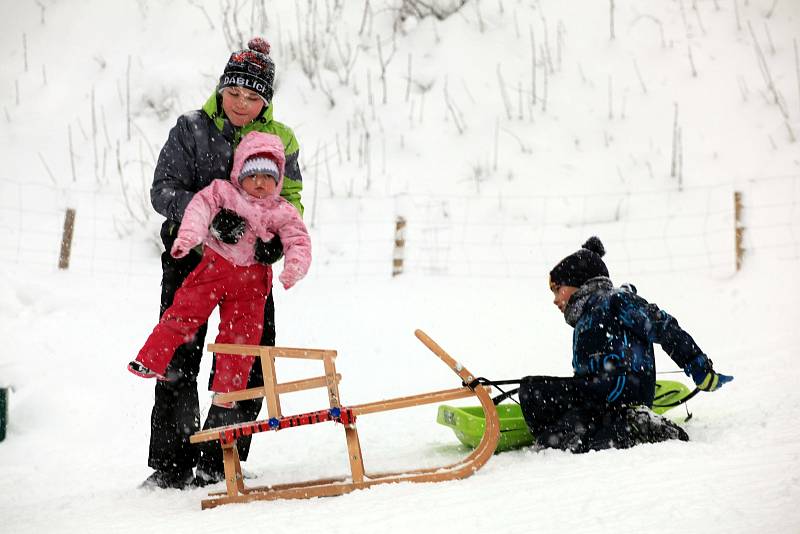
{"x":228,"y":226}
{"x":701,"y":369}
{"x":268,"y":252}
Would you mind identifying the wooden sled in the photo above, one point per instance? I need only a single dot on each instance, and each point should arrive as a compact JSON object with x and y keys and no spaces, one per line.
{"x":236,"y":491}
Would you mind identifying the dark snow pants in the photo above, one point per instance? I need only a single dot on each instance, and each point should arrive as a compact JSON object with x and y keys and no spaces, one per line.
{"x":562,"y":413}
{"x":572,"y":413}
{"x":176,"y":410}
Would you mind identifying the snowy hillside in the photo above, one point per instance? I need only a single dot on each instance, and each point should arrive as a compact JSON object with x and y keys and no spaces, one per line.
{"x":504,"y":134}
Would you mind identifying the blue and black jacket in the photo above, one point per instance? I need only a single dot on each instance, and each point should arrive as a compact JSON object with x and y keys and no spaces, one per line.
{"x":612,"y":344}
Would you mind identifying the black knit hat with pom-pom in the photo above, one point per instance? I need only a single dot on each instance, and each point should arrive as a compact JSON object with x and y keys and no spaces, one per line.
{"x":252,"y":69}
{"x":577,"y":268}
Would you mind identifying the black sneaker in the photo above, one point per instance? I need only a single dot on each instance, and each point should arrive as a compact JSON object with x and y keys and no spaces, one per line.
{"x":168,"y":479}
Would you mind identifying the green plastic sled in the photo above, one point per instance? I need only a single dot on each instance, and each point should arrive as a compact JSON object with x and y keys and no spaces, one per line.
{"x":669,"y":394}
{"x":468,"y":422}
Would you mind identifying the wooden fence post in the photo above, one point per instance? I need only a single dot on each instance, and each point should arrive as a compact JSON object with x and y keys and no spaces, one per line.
{"x":399,"y":245}
{"x":3,"y":412}
{"x":739,"y":228}
{"x":66,"y":239}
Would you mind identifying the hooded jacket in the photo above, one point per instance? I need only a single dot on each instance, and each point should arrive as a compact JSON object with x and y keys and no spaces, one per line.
{"x":200,"y":149}
{"x":612,"y":345}
{"x":265,"y":217}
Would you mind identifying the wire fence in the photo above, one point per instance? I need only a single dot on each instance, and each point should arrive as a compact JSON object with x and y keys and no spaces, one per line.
{"x":667,"y":231}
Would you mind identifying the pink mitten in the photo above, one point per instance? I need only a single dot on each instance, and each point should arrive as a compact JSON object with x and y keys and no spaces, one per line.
{"x":180,"y":247}
{"x":290,"y":276}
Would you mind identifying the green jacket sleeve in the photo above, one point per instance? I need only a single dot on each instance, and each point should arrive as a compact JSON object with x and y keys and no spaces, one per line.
{"x":293,"y":181}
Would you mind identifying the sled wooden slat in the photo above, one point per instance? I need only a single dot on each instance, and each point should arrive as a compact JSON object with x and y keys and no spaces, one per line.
{"x":283,"y":352}
{"x":277,"y":487}
{"x":413,"y":400}
{"x":330,"y":384}
{"x":210,"y":434}
{"x":359,"y":409}
{"x":308,"y":383}
{"x":270,"y":393}
{"x":233,"y":468}
{"x":236,"y":491}
{"x":286,"y":387}
{"x":351,"y":436}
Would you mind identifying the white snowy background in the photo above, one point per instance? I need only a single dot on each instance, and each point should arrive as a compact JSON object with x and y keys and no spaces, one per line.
{"x":635,"y":124}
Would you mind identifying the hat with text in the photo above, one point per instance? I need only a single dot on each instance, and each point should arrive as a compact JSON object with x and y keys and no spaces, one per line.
{"x":252,"y":69}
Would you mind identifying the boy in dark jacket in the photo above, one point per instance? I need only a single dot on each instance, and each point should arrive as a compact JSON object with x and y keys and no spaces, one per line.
{"x":198,"y":150}
{"x":605,"y":404}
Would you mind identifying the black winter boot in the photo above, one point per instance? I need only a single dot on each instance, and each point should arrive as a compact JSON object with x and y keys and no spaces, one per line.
{"x":631,"y":426}
{"x":646,"y":426}
{"x":168,"y":479}
{"x":204,"y":478}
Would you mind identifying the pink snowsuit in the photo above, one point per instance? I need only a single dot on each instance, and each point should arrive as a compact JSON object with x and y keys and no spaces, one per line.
{"x":228,"y":274}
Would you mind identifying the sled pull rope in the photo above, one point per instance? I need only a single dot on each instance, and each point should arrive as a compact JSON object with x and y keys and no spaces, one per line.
{"x":677,"y":403}
{"x":505,"y":395}
{"x":495,"y":384}
{"x":483,"y":381}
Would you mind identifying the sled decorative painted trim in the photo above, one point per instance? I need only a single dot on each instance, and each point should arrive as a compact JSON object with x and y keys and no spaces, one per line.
{"x":359,"y":478}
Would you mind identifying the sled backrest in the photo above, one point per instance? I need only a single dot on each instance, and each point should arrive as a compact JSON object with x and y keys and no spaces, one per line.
{"x":271,"y":390}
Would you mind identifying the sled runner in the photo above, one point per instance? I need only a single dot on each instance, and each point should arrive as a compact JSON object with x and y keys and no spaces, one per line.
{"x":236,"y":491}
{"x":468,"y":423}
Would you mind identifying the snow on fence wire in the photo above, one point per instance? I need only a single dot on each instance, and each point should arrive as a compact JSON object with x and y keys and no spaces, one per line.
{"x":458,"y":236}
{"x":105,"y":240}
{"x":645,"y":232}
{"x":526,"y":236}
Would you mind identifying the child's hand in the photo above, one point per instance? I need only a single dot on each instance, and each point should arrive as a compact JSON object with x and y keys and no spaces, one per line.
{"x":290,"y":275}
{"x":180,"y":248}
{"x":711,"y":380}
{"x":701,"y":369}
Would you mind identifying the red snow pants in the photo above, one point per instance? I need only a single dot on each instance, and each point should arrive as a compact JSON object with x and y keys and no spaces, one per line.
{"x":240,"y":292}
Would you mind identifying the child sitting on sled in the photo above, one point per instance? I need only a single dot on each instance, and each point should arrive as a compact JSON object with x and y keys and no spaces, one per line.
{"x":605,"y":403}
{"x":229,"y":275}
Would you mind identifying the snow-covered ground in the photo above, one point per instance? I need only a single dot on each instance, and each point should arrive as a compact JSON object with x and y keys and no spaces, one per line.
{"x":493,"y":199}
{"x":77,"y":442}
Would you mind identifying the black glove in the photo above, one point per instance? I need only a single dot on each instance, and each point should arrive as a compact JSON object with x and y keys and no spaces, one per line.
{"x":228,"y":226}
{"x":268,"y":252}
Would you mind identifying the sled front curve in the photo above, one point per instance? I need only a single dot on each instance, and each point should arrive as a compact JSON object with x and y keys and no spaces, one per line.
{"x":236,"y":491}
